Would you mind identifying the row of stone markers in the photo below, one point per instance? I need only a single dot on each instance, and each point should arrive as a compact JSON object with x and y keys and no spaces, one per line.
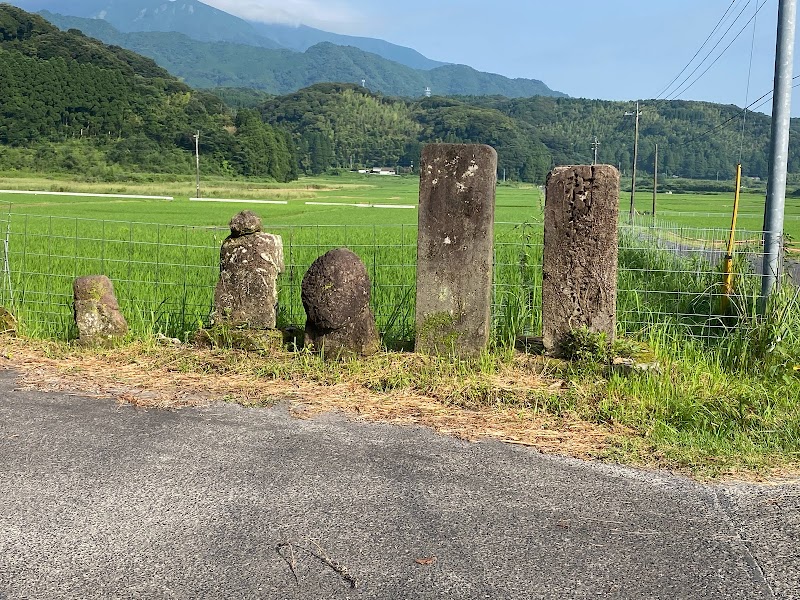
{"x":454,"y":267}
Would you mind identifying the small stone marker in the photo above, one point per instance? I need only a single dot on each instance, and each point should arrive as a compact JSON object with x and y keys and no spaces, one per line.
{"x":579,"y":283}
{"x":97,"y":314}
{"x":8,"y":323}
{"x":249,"y":262}
{"x":455,"y":248}
{"x":336,"y":293}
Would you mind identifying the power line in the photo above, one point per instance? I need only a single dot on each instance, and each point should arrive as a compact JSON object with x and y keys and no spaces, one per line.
{"x":770,"y":99}
{"x":724,"y":123}
{"x":749,"y":74}
{"x":753,"y":106}
{"x":686,"y":88}
{"x":710,"y":35}
{"x":708,"y":54}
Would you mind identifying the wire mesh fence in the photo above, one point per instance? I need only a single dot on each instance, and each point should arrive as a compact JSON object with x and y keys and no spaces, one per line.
{"x":676,"y":274}
{"x":164,"y":275}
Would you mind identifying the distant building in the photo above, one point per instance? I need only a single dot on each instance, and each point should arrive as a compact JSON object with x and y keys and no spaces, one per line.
{"x":379,"y":171}
{"x":384,"y":171}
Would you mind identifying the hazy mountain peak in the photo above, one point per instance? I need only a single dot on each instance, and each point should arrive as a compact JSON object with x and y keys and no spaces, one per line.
{"x":352,"y":58}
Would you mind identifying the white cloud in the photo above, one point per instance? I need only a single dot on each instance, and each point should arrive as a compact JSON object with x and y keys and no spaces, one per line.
{"x":330,"y":14}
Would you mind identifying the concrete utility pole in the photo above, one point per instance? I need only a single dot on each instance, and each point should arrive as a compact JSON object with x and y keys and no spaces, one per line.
{"x":595,"y":146}
{"x":197,"y":161}
{"x":655,"y":184}
{"x":779,"y":150}
{"x":637,"y":114}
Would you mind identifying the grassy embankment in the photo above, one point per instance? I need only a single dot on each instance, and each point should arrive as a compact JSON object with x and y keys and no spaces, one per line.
{"x":724,"y":402}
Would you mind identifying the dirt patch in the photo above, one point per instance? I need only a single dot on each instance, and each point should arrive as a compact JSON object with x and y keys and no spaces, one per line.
{"x":167,"y":379}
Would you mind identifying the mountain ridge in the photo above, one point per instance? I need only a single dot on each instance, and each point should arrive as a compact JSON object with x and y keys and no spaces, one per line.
{"x":207,"y":24}
{"x":189,"y":17}
{"x":301,"y":38}
{"x":282,"y":71}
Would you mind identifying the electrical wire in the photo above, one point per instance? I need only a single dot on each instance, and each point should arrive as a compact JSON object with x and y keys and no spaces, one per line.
{"x":711,"y":51}
{"x":686,"y":88}
{"x":700,"y":49}
{"x":749,"y":74}
{"x":752,"y":107}
{"x":769,"y":99}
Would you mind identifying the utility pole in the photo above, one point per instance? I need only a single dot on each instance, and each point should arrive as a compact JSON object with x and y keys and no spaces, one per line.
{"x":197,"y":161}
{"x":637,"y":114}
{"x":779,"y":150}
{"x":655,"y":185}
{"x":595,"y":146}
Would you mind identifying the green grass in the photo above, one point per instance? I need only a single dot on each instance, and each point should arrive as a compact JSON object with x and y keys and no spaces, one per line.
{"x":163,"y":255}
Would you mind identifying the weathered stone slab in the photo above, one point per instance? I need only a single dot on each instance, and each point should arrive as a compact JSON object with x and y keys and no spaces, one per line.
{"x":96,"y":310}
{"x":335,"y":294}
{"x":579,"y":284}
{"x":250,"y":261}
{"x":455,"y":248}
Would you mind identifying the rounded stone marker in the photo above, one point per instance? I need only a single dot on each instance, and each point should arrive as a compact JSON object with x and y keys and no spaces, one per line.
{"x":8,"y":323}
{"x":247,"y":290}
{"x":335,"y":294}
{"x":335,"y":289}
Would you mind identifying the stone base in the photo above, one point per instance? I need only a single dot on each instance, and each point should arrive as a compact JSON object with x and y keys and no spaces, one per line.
{"x":96,"y":311}
{"x":358,"y":337}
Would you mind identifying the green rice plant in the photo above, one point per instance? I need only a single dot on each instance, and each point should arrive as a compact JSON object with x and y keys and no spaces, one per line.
{"x":517,"y":286}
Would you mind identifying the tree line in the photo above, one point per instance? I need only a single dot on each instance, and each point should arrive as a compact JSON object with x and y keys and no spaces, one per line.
{"x":341,"y":125}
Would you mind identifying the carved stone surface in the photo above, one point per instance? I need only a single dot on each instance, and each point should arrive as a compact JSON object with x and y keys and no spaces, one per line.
{"x":335,"y":294}
{"x":579,"y":284}
{"x":250,"y":261}
{"x":97,"y":314}
{"x":455,"y":248}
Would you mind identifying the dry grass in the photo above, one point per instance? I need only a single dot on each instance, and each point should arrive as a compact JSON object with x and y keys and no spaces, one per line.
{"x":176,"y":376}
{"x":511,"y":401}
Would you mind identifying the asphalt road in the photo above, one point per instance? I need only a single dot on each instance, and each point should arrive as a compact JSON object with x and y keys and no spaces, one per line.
{"x":99,"y":500}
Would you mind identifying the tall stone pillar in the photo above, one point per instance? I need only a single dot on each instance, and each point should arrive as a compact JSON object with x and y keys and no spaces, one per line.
{"x":454,"y":248}
{"x":579,"y":283}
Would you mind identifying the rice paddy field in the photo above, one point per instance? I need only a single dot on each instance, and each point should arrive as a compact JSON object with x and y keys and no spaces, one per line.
{"x":162,"y":254}
{"x":714,"y":211}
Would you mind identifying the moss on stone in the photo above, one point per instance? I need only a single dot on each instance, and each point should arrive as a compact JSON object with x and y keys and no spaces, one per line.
{"x":438,"y":334}
{"x":253,"y":340}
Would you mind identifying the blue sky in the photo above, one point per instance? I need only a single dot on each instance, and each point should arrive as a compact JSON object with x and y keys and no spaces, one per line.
{"x":613,"y":50}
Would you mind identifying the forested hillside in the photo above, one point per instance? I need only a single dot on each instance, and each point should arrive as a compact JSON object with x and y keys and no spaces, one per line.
{"x":70,"y":102}
{"x":343,"y":125}
{"x":696,"y":139}
{"x":335,"y":125}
